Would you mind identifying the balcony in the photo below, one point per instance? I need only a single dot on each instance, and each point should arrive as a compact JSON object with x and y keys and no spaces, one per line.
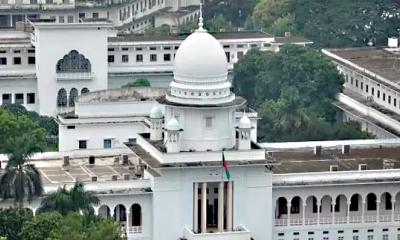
{"x":337,"y":220}
{"x":74,"y":76}
{"x":240,"y":233}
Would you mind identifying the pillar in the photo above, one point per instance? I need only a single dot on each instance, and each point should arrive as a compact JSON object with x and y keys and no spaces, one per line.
{"x":288,"y":207}
{"x":363,"y":211}
{"x":204,"y":207}
{"x":377,"y":210}
{"x":333,"y":211}
{"x":348,"y":211}
{"x":229,"y":216}
{"x":304,"y":213}
{"x":393,"y":200}
{"x":128,"y":221}
{"x":195,"y":207}
{"x":221,"y":207}
{"x":318,"y":211}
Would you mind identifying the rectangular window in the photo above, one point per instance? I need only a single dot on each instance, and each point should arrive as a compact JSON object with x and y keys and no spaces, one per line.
{"x":394,"y":102}
{"x":389,"y":99}
{"x":356,"y":82}
{"x":378,"y":94}
{"x":366,"y":88}
{"x":167,"y":48}
{"x":61,"y":19}
{"x":384,"y":96}
{"x":95,"y":15}
{"x":167,"y":57}
{"x":153,"y":57}
{"x":362,"y":86}
{"x":107,"y":143}
{"x":17,"y":61}
{"x":372,"y":91}
{"x":351,"y":80}
{"x":153,"y":48}
{"x":125,"y":49}
{"x":139,"y":58}
{"x":19,"y":98}
{"x":385,"y":237}
{"x":139,"y":49}
{"x":228,"y":56}
{"x":3,"y":61}
{"x":110,"y":58}
{"x":370,"y":237}
{"x":6,"y":98}
{"x":30,"y":98}
{"x":125,"y":58}
{"x":82,"y":144}
{"x":70,"y":19}
{"x":31,"y":60}
{"x":81,"y":15}
{"x":209,"y":122}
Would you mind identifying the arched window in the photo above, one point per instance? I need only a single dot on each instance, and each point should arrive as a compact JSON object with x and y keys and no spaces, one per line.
{"x":371,"y":202}
{"x":136,"y":215}
{"x":62,"y":98}
{"x":84,"y":90}
{"x":354,"y":202}
{"x":282,"y":206}
{"x":73,"y":62}
{"x":72,"y":96}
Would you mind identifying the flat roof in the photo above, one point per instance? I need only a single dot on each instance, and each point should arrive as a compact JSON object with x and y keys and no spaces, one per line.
{"x":183,"y":36}
{"x":304,"y":160}
{"x":380,"y":61}
{"x":123,"y":94}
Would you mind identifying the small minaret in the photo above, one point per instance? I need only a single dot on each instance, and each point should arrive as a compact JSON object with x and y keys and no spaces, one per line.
{"x":172,"y":141}
{"x":244,"y":129}
{"x":156,"y":118}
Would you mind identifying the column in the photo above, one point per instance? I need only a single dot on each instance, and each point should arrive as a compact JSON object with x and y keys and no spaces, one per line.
{"x":229,"y":206}
{"x":348,"y":211}
{"x":333,"y":211}
{"x":221,"y":207}
{"x":195,"y":207}
{"x":304,"y":213}
{"x":288,"y":207}
{"x":377,"y":210}
{"x":363,"y":211}
{"x":128,"y":221}
{"x":393,"y":203}
{"x":204,"y":207}
{"x":318,"y":211}
{"x":96,"y":211}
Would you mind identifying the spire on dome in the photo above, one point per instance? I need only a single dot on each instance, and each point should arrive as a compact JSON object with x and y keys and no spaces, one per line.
{"x":201,"y":23}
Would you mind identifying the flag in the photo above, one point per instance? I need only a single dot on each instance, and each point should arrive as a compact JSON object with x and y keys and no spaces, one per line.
{"x":225,"y":165}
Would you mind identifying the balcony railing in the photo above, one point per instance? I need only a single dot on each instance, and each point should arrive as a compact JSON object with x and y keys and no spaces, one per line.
{"x":336,"y":220}
{"x":75,"y":76}
{"x":241,"y":233}
{"x":135,"y":229}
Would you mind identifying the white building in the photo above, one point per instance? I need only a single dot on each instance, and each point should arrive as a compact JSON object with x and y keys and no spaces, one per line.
{"x":49,"y":64}
{"x":371,"y":93}
{"x":167,"y":180}
{"x":125,"y":15}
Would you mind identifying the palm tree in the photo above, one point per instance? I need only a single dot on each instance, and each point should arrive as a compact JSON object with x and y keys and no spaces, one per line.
{"x":21,"y":179}
{"x":74,"y":200}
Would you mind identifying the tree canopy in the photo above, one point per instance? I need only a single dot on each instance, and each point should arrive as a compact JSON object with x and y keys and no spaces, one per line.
{"x":234,"y":11}
{"x":12,"y":220}
{"x":293,"y":91}
{"x":65,"y":201}
{"x":330,"y":23}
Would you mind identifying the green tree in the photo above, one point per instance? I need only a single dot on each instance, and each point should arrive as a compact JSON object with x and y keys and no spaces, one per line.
{"x":12,"y":220}
{"x":141,"y":82}
{"x":42,"y":227}
{"x":269,"y":12}
{"x":235,"y":11}
{"x":20,"y":138}
{"x":74,"y":200}
{"x":217,"y":23}
{"x":163,"y":30}
{"x":293,"y":90}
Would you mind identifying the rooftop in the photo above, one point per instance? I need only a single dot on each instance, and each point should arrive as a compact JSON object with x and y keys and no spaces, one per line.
{"x":379,"y":61}
{"x":123,"y":94}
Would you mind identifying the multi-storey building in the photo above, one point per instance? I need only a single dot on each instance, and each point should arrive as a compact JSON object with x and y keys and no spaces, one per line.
{"x":125,"y":15}
{"x":371,"y":93}
{"x":47,"y":67}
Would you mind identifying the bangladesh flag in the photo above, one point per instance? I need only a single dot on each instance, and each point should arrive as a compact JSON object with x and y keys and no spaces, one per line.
{"x":225,"y":165}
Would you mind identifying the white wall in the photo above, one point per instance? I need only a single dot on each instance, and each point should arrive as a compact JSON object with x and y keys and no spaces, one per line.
{"x":52,"y":44}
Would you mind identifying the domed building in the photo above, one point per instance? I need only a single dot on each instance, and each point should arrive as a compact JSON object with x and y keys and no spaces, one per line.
{"x":200,"y":98}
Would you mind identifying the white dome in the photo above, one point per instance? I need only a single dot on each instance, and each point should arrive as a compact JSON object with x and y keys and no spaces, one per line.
{"x":244,"y":122}
{"x":173,"y":125}
{"x":200,"y":72}
{"x":200,"y":58}
{"x":156,"y":112}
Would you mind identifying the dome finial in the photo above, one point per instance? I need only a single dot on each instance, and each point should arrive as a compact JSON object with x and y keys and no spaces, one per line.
{"x":201,"y":23}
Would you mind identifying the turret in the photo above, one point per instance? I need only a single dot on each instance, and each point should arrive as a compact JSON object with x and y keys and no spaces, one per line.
{"x":244,"y":129}
{"x":172,"y":139}
{"x":156,"y":118}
